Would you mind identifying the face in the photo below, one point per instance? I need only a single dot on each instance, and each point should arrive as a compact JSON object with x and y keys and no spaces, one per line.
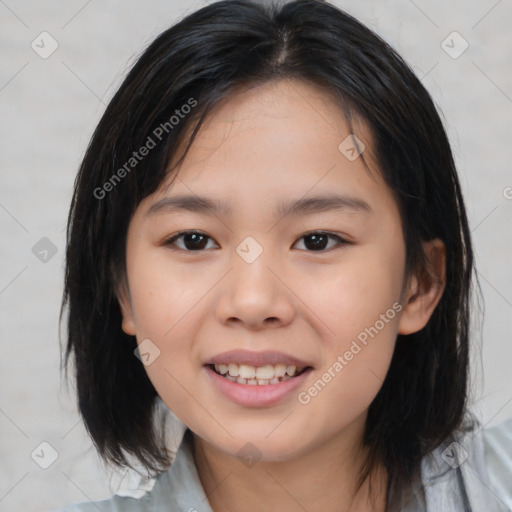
{"x":264,"y":290}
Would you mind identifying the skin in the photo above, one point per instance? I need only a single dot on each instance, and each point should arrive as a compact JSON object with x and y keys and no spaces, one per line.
{"x":276,"y":142}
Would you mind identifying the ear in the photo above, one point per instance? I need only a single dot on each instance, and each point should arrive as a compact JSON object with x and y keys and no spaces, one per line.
{"x":128,"y":323}
{"x":425,"y":289}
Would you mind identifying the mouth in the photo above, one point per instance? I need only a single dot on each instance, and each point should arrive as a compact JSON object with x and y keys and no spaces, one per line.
{"x":257,"y":375}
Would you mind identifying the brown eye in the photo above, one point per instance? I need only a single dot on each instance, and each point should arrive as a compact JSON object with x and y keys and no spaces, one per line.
{"x":319,"y":241}
{"x":191,"y":241}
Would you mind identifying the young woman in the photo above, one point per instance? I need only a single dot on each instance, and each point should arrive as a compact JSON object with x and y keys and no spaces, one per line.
{"x":268,"y":239}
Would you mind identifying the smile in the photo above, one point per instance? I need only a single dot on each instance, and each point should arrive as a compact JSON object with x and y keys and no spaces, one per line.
{"x":257,"y":375}
{"x":281,"y":383}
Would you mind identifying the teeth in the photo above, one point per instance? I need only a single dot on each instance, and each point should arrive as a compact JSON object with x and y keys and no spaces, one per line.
{"x":261,"y":375}
{"x":290,"y":370}
{"x":247,"y":372}
{"x":280,"y":370}
{"x":265,"y":372}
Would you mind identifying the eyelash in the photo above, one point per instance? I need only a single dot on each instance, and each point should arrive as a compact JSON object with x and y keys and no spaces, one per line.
{"x":170,"y":242}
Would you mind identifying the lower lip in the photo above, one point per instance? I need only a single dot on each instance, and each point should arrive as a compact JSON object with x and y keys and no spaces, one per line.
{"x":256,"y":395}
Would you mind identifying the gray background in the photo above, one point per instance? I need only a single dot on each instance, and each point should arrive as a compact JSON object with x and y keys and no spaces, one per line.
{"x":49,"y":108}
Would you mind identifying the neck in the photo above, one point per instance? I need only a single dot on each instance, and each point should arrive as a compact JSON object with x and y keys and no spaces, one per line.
{"x":320,"y":478}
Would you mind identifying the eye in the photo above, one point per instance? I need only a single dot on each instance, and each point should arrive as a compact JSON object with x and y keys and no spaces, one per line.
{"x":319,"y":240}
{"x":192,"y":241}
{"x":197,"y":241}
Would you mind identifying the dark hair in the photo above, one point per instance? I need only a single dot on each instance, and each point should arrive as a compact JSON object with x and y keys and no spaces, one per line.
{"x":198,"y":62}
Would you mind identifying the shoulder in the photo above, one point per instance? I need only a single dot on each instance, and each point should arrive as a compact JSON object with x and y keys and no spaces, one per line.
{"x":176,"y":490}
{"x":114,"y":504}
{"x":136,"y":494}
{"x":497,"y":442}
{"x":470,"y":470}
{"x":144,"y":498}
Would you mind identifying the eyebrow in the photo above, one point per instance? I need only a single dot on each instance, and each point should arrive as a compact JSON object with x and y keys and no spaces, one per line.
{"x":302,"y":206}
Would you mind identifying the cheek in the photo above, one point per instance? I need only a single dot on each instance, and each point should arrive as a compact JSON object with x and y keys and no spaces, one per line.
{"x":162,"y":294}
{"x":165,"y":305}
{"x":359,"y":310}
{"x":169,"y":304}
{"x":352,"y":295}
{"x":362,"y":313}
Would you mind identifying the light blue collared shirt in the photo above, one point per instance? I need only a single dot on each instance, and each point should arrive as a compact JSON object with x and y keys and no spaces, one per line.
{"x":470,"y":473}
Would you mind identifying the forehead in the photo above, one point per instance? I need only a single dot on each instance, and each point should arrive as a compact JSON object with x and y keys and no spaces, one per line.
{"x":285,"y":138}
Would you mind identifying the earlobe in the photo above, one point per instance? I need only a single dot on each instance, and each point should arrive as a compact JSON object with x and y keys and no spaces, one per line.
{"x":127,"y":324}
{"x":425,"y":289}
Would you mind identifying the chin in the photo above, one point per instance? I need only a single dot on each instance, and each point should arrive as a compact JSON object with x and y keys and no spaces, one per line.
{"x":278,"y":446}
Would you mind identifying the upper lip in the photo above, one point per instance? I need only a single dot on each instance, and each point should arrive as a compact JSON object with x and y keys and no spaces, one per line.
{"x":251,"y":358}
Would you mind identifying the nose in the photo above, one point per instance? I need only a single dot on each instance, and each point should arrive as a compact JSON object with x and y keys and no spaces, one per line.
{"x":255,"y":294}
